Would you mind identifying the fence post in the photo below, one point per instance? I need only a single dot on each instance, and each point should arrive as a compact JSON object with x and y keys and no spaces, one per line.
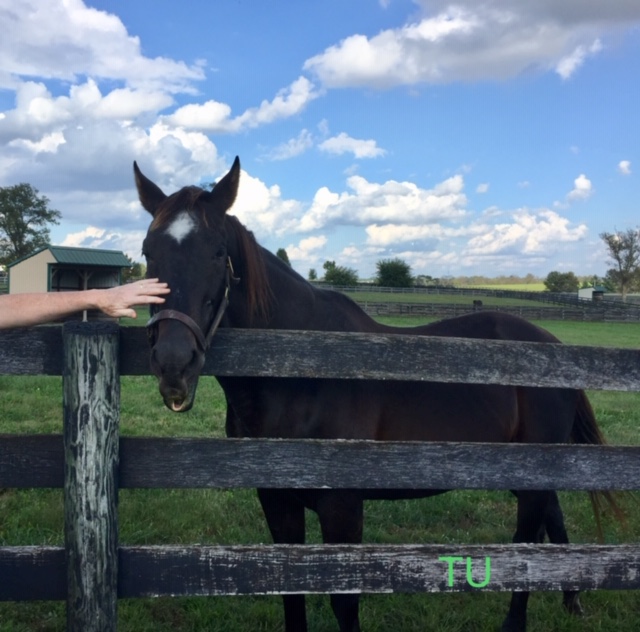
{"x":91,"y":400}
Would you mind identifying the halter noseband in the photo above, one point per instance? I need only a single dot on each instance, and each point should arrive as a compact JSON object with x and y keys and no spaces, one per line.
{"x":203,"y":340}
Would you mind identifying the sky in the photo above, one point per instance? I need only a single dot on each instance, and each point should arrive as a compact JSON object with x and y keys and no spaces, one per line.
{"x":477,"y":137}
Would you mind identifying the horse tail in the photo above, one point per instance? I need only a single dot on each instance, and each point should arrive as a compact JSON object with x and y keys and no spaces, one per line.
{"x":586,"y":431}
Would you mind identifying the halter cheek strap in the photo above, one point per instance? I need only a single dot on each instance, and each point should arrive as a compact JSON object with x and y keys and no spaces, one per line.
{"x":203,"y":340}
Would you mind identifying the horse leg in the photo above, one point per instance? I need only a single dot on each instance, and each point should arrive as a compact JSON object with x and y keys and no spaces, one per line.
{"x":285,"y":518}
{"x":340,"y":515}
{"x":532,"y":506}
{"x":557,"y":532}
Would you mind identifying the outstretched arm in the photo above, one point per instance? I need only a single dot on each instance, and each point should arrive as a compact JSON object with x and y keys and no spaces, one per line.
{"x":24,"y":310}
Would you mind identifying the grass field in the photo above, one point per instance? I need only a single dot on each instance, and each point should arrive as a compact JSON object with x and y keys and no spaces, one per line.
{"x":518,"y":287}
{"x":27,"y":517}
{"x":458,"y":299}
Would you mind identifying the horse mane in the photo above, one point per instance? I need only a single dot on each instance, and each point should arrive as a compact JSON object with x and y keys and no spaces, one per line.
{"x":252,"y":270}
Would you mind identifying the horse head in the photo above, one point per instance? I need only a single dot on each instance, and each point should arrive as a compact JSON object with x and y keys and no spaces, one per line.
{"x":186,"y":246}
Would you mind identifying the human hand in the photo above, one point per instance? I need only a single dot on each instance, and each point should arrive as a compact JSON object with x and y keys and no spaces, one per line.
{"x":118,"y":301}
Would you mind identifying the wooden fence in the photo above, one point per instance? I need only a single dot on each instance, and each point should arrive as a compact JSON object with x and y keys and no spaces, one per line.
{"x":90,"y":460}
{"x":617,"y":307}
{"x":567,"y":298}
{"x":585,"y":312}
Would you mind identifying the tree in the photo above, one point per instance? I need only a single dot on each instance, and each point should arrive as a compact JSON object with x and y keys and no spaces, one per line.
{"x":136,"y":271}
{"x":393,"y":273}
{"x":562,"y":282}
{"x":424,"y":280}
{"x":339,"y":275}
{"x":313,"y":275}
{"x":282,"y":254}
{"x":624,"y":252}
{"x":24,"y":221}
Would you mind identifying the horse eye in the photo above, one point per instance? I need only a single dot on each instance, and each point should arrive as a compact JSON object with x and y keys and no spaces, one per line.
{"x":221,"y":252}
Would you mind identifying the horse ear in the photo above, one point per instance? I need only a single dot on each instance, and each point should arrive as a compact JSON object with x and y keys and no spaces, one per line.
{"x":150,"y":194}
{"x":226,"y":189}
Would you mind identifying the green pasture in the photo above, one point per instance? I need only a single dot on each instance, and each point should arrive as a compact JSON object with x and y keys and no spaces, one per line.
{"x":30,"y":517}
{"x":444,"y":298}
{"x":518,"y":287}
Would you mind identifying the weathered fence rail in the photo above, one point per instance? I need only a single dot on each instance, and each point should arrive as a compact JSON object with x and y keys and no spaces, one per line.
{"x":154,"y":571}
{"x":91,"y":461}
{"x":148,"y":463}
{"x":357,"y":356}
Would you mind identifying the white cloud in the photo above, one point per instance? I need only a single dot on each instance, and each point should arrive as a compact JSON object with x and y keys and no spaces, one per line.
{"x":390,"y":234}
{"x":482,"y":188}
{"x":391,"y":201}
{"x":293,"y":147}
{"x":67,"y":40}
{"x":38,"y":113}
{"x":529,"y":233}
{"x":48,"y":144}
{"x":582,"y":188}
{"x":263,"y":209}
{"x":82,"y":238}
{"x":569,"y":64}
{"x":92,"y":237}
{"x":471,"y":41}
{"x":343,"y":143}
{"x":624,"y":167}
{"x":307,"y":249}
{"x":288,"y":102}
{"x":213,"y":116}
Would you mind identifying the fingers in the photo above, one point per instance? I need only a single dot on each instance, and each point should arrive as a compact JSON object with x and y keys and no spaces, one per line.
{"x":145,"y":299}
{"x":148,"y":291}
{"x":119,"y":301}
{"x":153,"y":286}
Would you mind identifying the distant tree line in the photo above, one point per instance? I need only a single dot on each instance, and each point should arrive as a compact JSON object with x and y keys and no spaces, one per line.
{"x":25,"y":220}
{"x":623,"y":249}
{"x":339,"y":275}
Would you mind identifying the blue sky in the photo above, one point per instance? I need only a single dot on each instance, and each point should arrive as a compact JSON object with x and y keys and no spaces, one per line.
{"x":472,"y":137}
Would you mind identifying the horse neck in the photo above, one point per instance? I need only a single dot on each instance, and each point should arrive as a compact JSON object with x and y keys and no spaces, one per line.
{"x":296,"y":304}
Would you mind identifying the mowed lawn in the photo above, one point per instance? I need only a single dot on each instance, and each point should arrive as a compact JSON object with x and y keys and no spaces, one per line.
{"x":28,"y":517}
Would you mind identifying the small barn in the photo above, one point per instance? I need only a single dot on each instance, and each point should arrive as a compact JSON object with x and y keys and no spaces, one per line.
{"x":595,"y":293}
{"x":64,"y":269}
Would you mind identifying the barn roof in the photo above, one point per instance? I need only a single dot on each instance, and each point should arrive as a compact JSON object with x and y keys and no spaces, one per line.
{"x":84,"y":257}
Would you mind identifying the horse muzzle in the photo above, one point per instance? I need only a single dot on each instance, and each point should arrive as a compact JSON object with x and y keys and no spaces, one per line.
{"x":178,"y":401}
{"x":176,"y":360}
{"x":178,"y":391}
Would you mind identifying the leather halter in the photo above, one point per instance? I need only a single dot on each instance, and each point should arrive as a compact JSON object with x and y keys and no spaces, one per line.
{"x":203,"y":340}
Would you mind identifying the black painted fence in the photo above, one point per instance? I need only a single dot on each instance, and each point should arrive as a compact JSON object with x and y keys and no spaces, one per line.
{"x":91,"y":461}
{"x":585,"y":312}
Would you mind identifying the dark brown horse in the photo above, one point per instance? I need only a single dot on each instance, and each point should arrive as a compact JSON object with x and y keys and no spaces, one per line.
{"x":218,"y":274}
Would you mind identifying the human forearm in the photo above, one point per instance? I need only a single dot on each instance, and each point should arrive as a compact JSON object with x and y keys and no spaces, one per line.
{"x":25,"y":310}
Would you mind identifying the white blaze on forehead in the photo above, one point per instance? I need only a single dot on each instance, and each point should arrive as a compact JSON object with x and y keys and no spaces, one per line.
{"x":181,"y":226}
